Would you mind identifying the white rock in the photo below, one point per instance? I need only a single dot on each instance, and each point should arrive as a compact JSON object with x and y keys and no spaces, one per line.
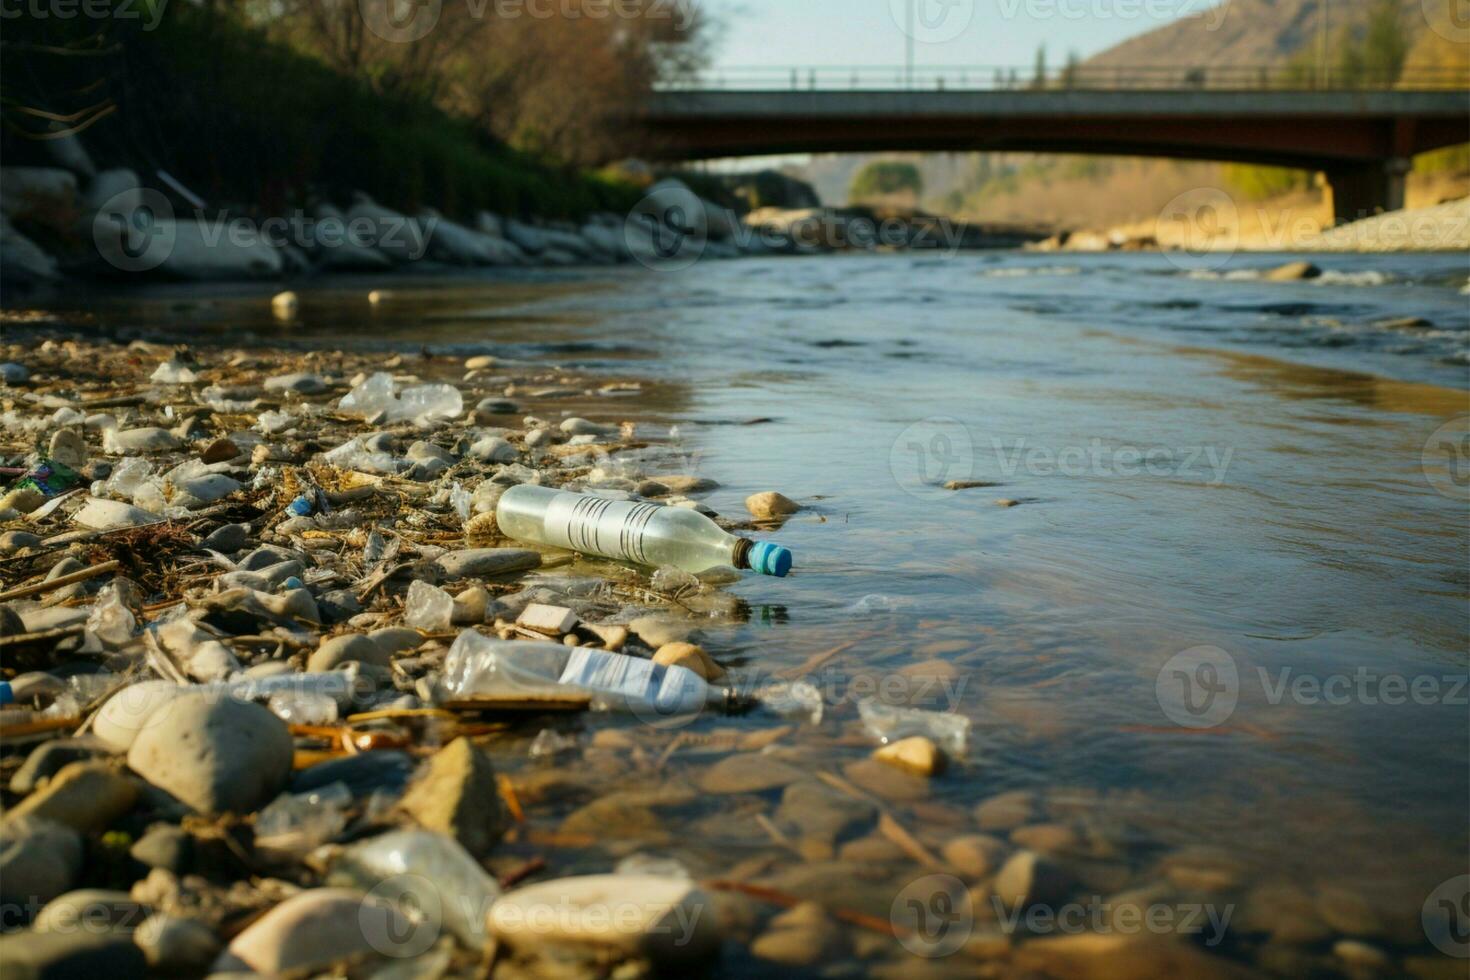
{"x":314,"y":929}
{"x":100,"y":514}
{"x":582,"y":427}
{"x":667,"y":920}
{"x":494,"y":449}
{"x":125,"y":714}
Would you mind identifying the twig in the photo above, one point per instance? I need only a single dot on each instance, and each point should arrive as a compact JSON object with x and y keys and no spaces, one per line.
{"x":58,"y":633}
{"x":59,"y":581}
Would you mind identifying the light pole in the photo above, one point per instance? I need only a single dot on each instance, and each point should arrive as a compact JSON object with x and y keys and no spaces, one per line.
{"x":908,"y":43}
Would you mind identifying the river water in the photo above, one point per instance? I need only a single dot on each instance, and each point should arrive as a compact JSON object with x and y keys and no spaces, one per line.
{"x":1217,"y":649}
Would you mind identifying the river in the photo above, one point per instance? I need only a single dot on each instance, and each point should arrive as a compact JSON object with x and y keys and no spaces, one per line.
{"x":1217,"y":640}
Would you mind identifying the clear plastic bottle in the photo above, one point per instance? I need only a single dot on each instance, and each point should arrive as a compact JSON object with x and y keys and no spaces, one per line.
{"x":648,"y":534}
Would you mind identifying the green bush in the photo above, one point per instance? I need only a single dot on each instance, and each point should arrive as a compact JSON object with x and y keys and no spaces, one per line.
{"x":885,"y":177}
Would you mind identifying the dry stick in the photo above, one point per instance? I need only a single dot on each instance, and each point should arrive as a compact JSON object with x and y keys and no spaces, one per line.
{"x":58,"y":633}
{"x":61,"y":580}
{"x":816,"y":660}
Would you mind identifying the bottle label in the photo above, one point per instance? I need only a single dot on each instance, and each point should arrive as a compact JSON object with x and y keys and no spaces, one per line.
{"x":599,"y":526}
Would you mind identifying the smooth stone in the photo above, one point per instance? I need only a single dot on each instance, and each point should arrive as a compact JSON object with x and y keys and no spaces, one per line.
{"x":770,"y":505}
{"x":39,"y":859}
{"x":33,"y":955}
{"x":480,"y":362}
{"x":228,"y":539}
{"x":1119,"y":956}
{"x":1203,"y":869}
{"x":871,"y":850}
{"x":393,"y":640}
{"x":85,"y":796}
{"x":50,"y":758}
{"x":690,"y":656}
{"x":220,"y":451}
{"x":823,"y":813}
{"x":687,"y":484}
{"x":1006,"y":811}
{"x":658,"y":631}
{"x":803,"y":936}
{"x":176,"y":945}
{"x":11,"y":623}
{"x":126,"y":442}
{"x":1028,"y":879}
{"x":22,"y":499}
{"x":494,"y":450}
{"x":164,"y":846}
{"x":1293,"y":270}
{"x":916,"y":755}
{"x":748,"y":772}
{"x":471,"y":606}
{"x":124,"y":715}
{"x":13,"y":541}
{"x":201,"y":490}
{"x":301,"y":382}
{"x":338,"y":606}
{"x":215,"y":755}
{"x":424,"y":451}
{"x":339,"y":650}
{"x":457,"y":795}
{"x":665,"y":920}
{"x":386,"y":769}
{"x":973,"y":855}
{"x":1052,"y":838}
{"x":1359,"y":956}
{"x":14,"y":374}
{"x":91,"y":909}
{"x":583,"y":427}
{"x":613,"y":637}
{"x":310,"y":930}
{"x":887,"y":781}
{"x":267,"y":556}
{"x":486,"y":562}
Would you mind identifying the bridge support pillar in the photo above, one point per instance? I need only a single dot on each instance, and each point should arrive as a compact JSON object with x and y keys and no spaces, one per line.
{"x":1363,"y":191}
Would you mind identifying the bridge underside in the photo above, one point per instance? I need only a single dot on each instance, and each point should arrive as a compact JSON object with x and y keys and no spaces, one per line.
{"x":1362,"y":141}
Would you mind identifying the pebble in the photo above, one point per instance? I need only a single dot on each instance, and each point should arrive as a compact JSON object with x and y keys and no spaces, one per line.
{"x":486,"y":562}
{"x":887,"y":781}
{"x":220,"y":451}
{"x":582,"y":427}
{"x":309,"y":931}
{"x":457,"y":795}
{"x":690,"y":656}
{"x":285,"y":304}
{"x":88,"y":909}
{"x":228,"y":538}
{"x":164,"y":846}
{"x":39,"y":859}
{"x":551,"y":620}
{"x":68,"y":449}
{"x":103,"y":515}
{"x":14,"y":541}
{"x":1052,"y":838}
{"x":85,"y":796}
{"x":71,"y":956}
{"x":480,"y":362}
{"x":1360,"y":956}
{"x":1006,"y":811}
{"x":770,"y":506}
{"x":818,"y":811}
{"x":11,"y":623}
{"x":916,"y":754}
{"x":214,"y":755}
{"x":973,"y":855}
{"x":494,"y":449}
{"x":1028,"y":878}
{"x":800,"y":937}
{"x":1293,"y":270}
{"x":301,"y":382}
{"x":176,"y":945}
{"x":748,"y":772}
{"x":50,"y":758}
{"x":338,"y":650}
{"x":687,"y":484}
{"x":668,"y":921}
{"x":14,"y":374}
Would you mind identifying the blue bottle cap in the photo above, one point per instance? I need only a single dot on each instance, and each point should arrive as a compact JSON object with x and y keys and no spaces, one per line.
{"x":301,"y":506}
{"x":770,"y":559}
{"x":7,"y":695}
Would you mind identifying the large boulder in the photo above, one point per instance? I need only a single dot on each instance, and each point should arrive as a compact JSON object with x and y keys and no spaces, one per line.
{"x":214,"y":754}
{"x":393,"y":233}
{"x":336,"y":249}
{"x":453,"y":243}
{"x":24,"y":188}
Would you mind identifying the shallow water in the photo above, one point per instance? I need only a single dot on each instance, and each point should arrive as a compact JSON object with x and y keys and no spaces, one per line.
{"x":1211,"y":462}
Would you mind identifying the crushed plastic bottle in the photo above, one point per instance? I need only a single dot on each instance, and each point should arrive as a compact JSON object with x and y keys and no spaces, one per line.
{"x":889,"y":723}
{"x":110,"y":620}
{"x":354,"y":455}
{"x":644,"y":533}
{"x":428,"y":608}
{"x":303,"y":708}
{"x":462,"y":502}
{"x":294,"y":824}
{"x":550,"y":743}
{"x":174,"y":372}
{"x":478,"y":665}
{"x":269,"y":422}
{"x":794,"y":700}
{"x":378,"y":394}
{"x":431,"y":874}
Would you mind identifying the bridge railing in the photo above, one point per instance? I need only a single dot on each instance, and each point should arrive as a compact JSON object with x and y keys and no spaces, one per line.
{"x":999,"y":78}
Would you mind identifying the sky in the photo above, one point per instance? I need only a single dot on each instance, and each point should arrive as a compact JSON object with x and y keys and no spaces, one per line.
{"x":949,"y":32}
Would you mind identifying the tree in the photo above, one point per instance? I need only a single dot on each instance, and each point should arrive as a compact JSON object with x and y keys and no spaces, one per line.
{"x":1070,"y":72}
{"x":1038,"y":73}
{"x":1385,"y":44}
{"x":884,"y":178}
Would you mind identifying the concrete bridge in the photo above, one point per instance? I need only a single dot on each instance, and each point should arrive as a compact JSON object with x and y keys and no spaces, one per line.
{"x":1363,"y":140}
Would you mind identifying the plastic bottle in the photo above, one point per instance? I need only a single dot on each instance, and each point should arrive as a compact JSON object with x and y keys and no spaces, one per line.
{"x":648,"y":534}
{"x":477,"y":664}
